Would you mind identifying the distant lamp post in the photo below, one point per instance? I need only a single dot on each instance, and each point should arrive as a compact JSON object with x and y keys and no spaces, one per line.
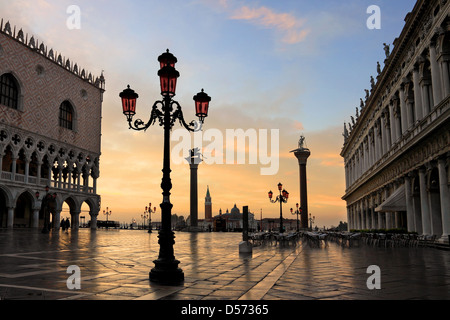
{"x":166,"y":270}
{"x":311,"y":220}
{"x":144,"y":216}
{"x":297,"y":212}
{"x":107,"y":213}
{"x":282,"y":198}
{"x":150,"y":211}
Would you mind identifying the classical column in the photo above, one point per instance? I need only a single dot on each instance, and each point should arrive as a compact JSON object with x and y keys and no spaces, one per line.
{"x":35,"y":219}
{"x":381,"y":223}
{"x":60,"y":170}
{"x":38,"y":174}
{"x":75,"y":220}
{"x":377,"y":140}
{"x":349,"y":218}
{"x":10,"y":219}
{"x":392,"y":122}
{"x":445,"y":200}
{"x":368,"y":215}
{"x":417,"y":94}
{"x":435,"y":74}
{"x":382,"y":137}
{"x":347,"y":184}
{"x":57,"y":219}
{"x":403,"y":112}
{"x":409,"y":205}
{"x":369,"y":151}
{"x":443,"y":61}
{"x":78,"y":174}
{"x":93,"y":220}
{"x":426,"y":221}
{"x":409,"y":100}
{"x":49,"y":183}
{"x":302,"y":154}
{"x":388,"y":215}
{"x":69,"y":176}
{"x":27,"y":168}
{"x":194,"y":160}
{"x":1,"y":161}
{"x":14,"y":167}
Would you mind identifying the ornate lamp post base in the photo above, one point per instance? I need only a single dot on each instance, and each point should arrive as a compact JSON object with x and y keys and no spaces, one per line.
{"x":166,"y":272}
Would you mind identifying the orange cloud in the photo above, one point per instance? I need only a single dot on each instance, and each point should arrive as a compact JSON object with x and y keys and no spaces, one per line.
{"x":291,"y":26}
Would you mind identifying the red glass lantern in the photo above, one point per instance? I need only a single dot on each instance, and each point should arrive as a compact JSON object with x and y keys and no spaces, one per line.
{"x":168,"y":78}
{"x":292,"y":210}
{"x":202,"y":105}
{"x":154,"y":209}
{"x":270,"y":194}
{"x":129,"y":98}
{"x":287,"y":195}
{"x":167,"y":59}
{"x":280,"y":186}
{"x":296,"y":205}
{"x":283,"y":193}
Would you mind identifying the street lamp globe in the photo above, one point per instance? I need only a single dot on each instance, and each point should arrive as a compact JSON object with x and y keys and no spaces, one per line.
{"x":129,"y":98}
{"x":167,"y":59}
{"x":168,"y":76}
{"x":201,"y":105}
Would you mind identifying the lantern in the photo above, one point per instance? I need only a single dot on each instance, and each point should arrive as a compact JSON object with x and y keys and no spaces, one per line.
{"x":270,"y":194}
{"x":202,"y":105}
{"x":167,"y":59}
{"x":280,"y":186}
{"x":168,"y":77}
{"x":129,"y":102}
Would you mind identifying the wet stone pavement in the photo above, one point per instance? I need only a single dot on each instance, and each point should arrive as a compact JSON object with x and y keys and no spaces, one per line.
{"x":114,"y":265}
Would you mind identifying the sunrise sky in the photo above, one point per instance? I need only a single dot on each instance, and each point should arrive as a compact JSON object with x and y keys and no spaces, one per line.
{"x":296,"y":66}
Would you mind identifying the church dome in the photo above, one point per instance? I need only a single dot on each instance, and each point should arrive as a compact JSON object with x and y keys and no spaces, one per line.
{"x":235,"y":210}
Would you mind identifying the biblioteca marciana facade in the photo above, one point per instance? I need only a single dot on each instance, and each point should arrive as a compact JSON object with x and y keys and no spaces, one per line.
{"x":397,"y":149}
{"x":50,"y":134}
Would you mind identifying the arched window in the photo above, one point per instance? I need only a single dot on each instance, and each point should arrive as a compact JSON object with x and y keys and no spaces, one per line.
{"x":66,"y":115}
{"x":9,"y":91}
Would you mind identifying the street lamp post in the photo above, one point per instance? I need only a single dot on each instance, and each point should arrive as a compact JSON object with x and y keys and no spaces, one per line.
{"x":282,"y":198}
{"x":297,"y":212}
{"x":144,"y":216}
{"x":311,"y":220}
{"x":166,"y":270}
{"x":150,"y":211}
{"x":107,"y":213}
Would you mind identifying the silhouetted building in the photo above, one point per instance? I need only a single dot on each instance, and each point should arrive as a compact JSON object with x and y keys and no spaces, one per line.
{"x":50,"y":132}
{"x":396,"y":151}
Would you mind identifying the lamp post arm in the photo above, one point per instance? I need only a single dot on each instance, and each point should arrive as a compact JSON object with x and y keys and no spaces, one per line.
{"x":178,"y":115}
{"x":155,"y":114}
